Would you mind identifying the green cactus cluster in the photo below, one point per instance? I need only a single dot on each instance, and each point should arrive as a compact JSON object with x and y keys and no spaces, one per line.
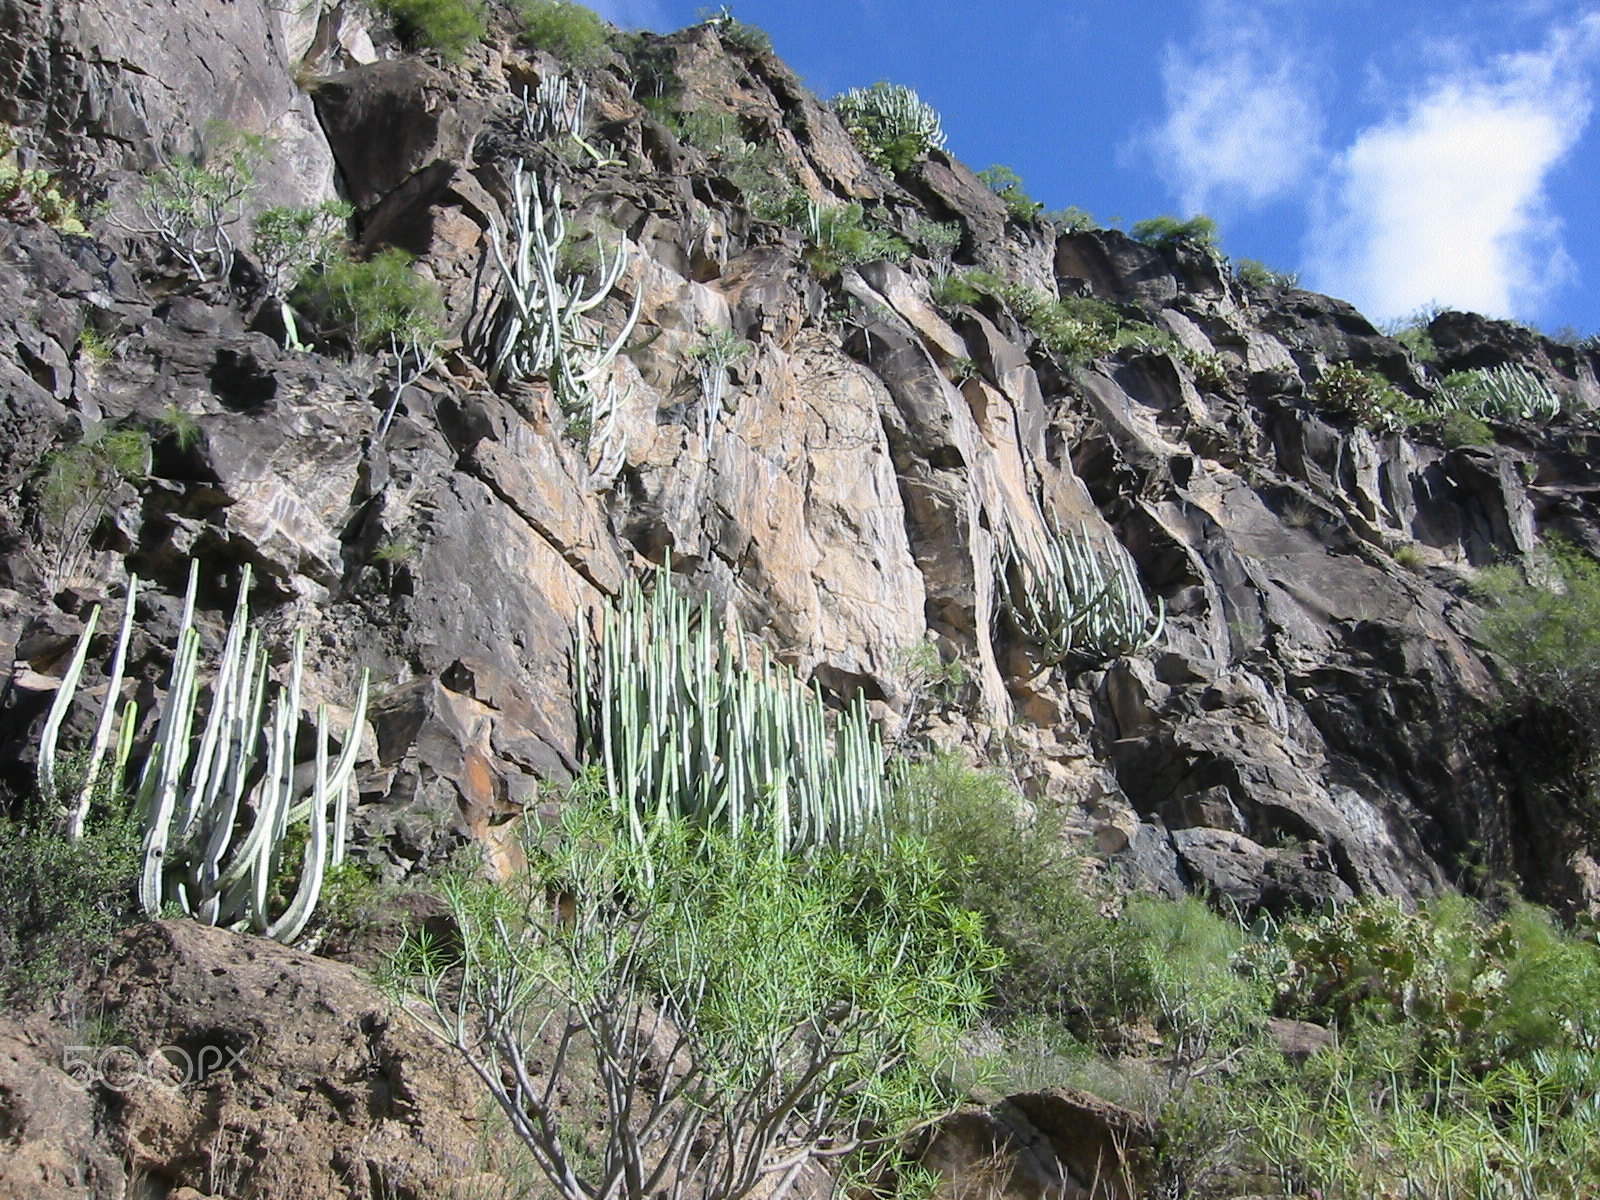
{"x":223,"y":785}
{"x":684,"y":720}
{"x":1076,"y":596}
{"x":891,"y":124}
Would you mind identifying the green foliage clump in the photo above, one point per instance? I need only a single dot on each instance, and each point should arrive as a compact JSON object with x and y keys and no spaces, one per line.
{"x":757,"y":169}
{"x":1007,"y":184}
{"x":814,"y":1002}
{"x":571,"y":32}
{"x":1463,"y":429}
{"x":190,"y":204}
{"x":741,"y":35}
{"x":951,"y":290}
{"x":891,"y":124}
{"x":377,"y":302}
{"x":1549,"y":637}
{"x":33,"y":194}
{"x":839,"y":235}
{"x":61,"y":901}
{"x":292,"y":243}
{"x":76,"y":489}
{"x":1072,"y":219}
{"x":1365,"y":397}
{"x":1168,"y":232}
{"x":449,"y":26}
{"x":1254,"y":274}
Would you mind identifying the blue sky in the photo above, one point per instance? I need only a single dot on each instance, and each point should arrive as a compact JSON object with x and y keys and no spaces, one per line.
{"x":1394,"y":152}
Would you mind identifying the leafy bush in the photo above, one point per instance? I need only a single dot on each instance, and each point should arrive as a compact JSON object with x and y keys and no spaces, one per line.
{"x":378,"y":301}
{"x":448,"y":26}
{"x":1549,"y":637}
{"x":571,"y":32}
{"x":813,"y":1003}
{"x":1072,"y":219}
{"x":293,"y":244}
{"x":1062,"y":956}
{"x":190,"y":205}
{"x":1463,"y":429}
{"x":1168,"y":232}
{"x":76,"y":489}
{"x":1256,"y":274}
{"x":891,"y":124}
{"x":33,"y":194}
{"x":840,"y":236}
{"x":61,"y":901}
{"x":1007,"y":184}
{"x":1365,"y":397}
{"x":751,"y":39}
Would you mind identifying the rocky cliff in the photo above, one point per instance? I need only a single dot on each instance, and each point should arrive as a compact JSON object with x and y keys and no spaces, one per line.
{"x":1311,"y":724}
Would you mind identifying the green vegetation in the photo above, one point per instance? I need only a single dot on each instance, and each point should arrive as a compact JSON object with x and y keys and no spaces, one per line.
{"x":751,"y":39}
{"x":1007,"y":184}
{"x":814,"y":1003}
{"x":33,"y":194}
{"x":1254,"y":274}
{"x":837,"y":235}
{"x":891,"y":124}
{"x":1463,"y":429}
{"x":376,"y":302}
{"x":190,"y":205}
{"x":681,"y":723}
{"x":61,"y":901}
{"x":293,"y":245}
{"x":1507,"y":392}
{"x":178,"y":424}
{"x":449,"y":26}
{"x":76,"y":489}
{"x":1168,"y":232}
{"x":1072,"y":595}
{"x":1366,"y":397}
{"x":1412,"y":332}
{"x":192,"y":786}
{"x":1072,"y":219}
{"x":571,"y":32}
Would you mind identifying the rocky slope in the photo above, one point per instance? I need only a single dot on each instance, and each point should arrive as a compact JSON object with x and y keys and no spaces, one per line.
{"x":1307,"y":727}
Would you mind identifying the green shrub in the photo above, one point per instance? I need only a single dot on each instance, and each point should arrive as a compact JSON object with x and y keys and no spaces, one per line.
{"x":1463,"y":429}
{"x":1063,"y":957}
{"x":751,"y":39}
{"x":1007,"y":184}
{"x":1256,"y":274}
{"x":1072,"y":219}
{"x":61,"y":901}
{"x":890,"y":123}
{"x":76,"y":488}
{"x":1168,"y":232}
{"x":840,"y":236}
{"x":1367,"y":398}
{"x":954,"y":289}
{"x":571,"y":32}
{"x":813,"y":1002}
{"x":378,"y":301}
{"x":448,"y":26}
{"x":33,"y":193}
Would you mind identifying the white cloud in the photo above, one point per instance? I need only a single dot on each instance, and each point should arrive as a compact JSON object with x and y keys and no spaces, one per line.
{"x":1242,"y":121}
{"x":1446,"y":201}
{"x":634,"y":14}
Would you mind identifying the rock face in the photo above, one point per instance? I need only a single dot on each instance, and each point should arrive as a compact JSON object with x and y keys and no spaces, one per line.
{"x":247,"y":1069}
{"x":1296,"y":735}
{"x":1308,"y":727}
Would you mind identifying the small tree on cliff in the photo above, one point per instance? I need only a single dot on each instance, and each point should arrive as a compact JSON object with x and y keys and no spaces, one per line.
{"x":741,"y":1013}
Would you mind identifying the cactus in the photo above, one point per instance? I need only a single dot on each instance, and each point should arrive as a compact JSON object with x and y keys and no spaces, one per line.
{"x":540,"y":327}
{"x":891,"y":124}
{"x":1507,"y":391}
{"x":192,"y":791}
{"x":681,"y":721}
{"x":712,"y":358}
{"x":1074,"y":595}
